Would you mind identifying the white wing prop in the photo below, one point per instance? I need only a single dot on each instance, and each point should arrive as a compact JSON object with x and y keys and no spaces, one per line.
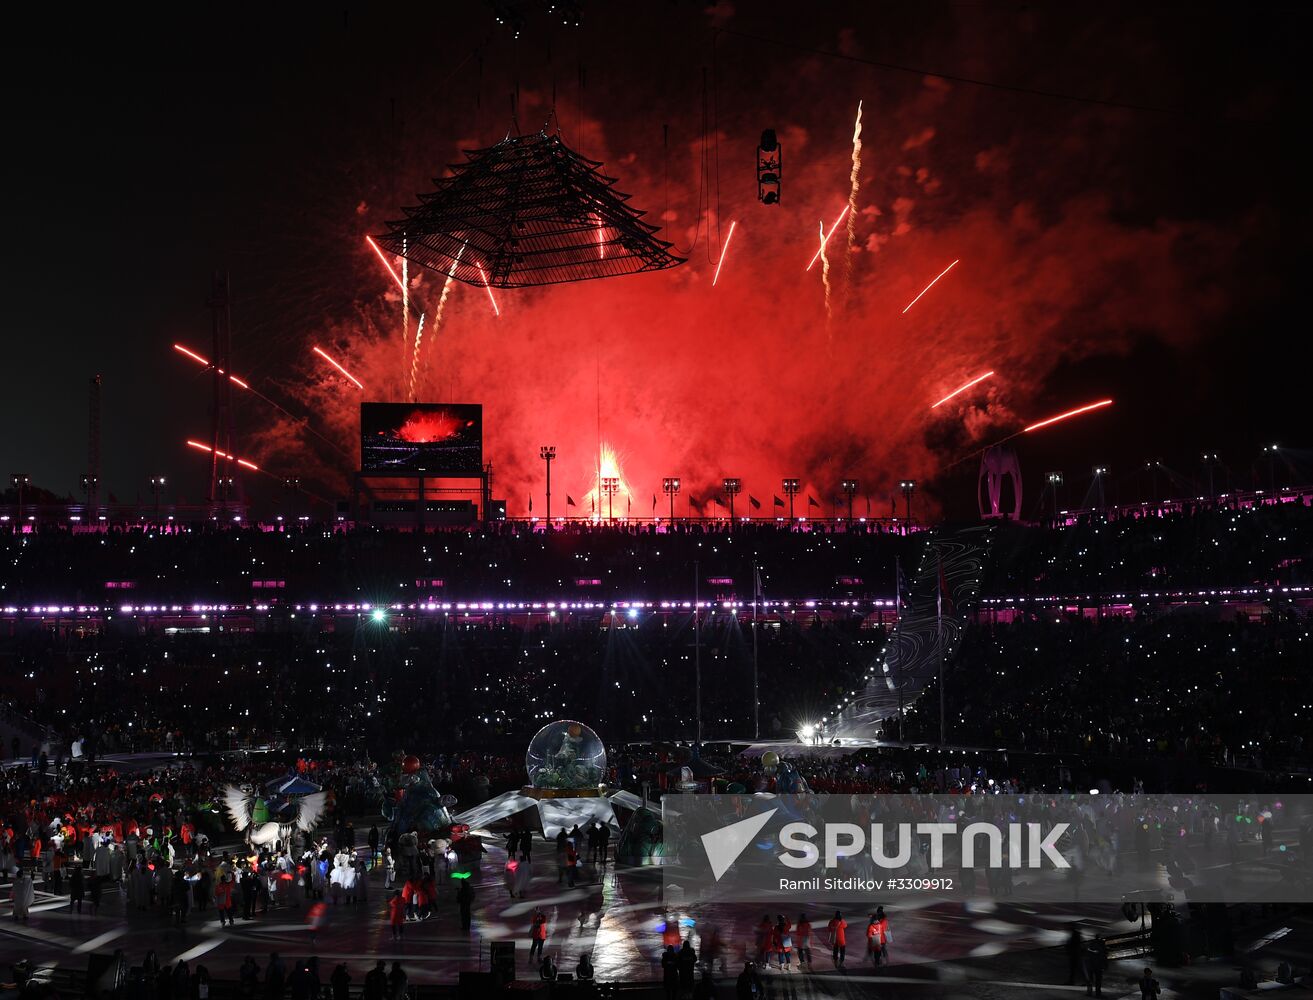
{"x":238,"y":805}
{"x":309,"y":809}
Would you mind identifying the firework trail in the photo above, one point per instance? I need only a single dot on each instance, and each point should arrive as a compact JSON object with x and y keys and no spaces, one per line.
{"x":854,"y":184}
{"x":963,"y":388}
{"x":826,"y":237}
{"x":825,"y":278}
{"x":414,"y":358}
{"x":1065,"y":416}
{"x":437,"y":316}
{"x":488,"y":288}
{"x":723,"y":250}
{"x":405,"y":307}
{"x":324,"y":354}
{"x":929,"y":286}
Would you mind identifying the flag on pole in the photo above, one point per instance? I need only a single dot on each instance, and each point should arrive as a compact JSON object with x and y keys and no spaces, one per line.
{"x":629,"y":505}
{"x":758,"y":592}
{"x":569,"y":500}
{"x":756,"y":504}
{"x":654,"y":502}
{"x":811,"y":501}
{"x":530,"y":503}
{"x":779,"y":502}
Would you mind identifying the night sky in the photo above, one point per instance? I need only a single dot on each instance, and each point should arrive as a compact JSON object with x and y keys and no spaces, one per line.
{"x":1151,"y":254}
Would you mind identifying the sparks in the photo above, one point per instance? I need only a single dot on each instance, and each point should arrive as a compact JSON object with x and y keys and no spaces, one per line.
{"x":222,"y":454}
{"x":1070,"y":413}
{"x":391,"y":270}
{"x":322,"y":354}
{"x":963,"y":388}
{"x":723,"y":250}
{"x":825,"y":273}
{"x":488,"y":287}
{"x":853,"y":184}
{"x":826,"y":237}
{"x":930,"y":286}
{"x":414,"y":358}
{"x":196,"y":357}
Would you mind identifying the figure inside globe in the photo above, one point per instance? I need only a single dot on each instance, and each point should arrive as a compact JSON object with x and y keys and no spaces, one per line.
{"x":566,"y":755}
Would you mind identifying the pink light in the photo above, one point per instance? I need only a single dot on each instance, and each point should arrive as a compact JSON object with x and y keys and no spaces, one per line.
{"x":391,"y":270}
{"x":724,"y":250}
{"x":322,"y":354}
{"x":238,"y":381}
{"x":930,"y":286}
{"x":975,"y":381}
{"x":197,"y":444}
{"x":484,"y":276}
{"x":827,"y":237}
{"x":249,"y":465}
{"x":231,"y":458}
{"x":1070,"y":413}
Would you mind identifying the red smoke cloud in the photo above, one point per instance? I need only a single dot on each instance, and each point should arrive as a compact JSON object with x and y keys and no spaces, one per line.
{"x":1058,"y":262}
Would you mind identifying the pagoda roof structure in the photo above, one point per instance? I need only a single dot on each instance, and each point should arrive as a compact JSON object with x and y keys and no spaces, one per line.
{"x":527,"y":211}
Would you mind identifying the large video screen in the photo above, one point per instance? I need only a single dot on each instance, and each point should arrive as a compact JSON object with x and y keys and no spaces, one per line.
{"x":436,"y":439}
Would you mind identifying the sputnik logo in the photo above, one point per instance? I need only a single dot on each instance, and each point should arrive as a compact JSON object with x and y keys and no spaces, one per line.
{"x":724,"y":846}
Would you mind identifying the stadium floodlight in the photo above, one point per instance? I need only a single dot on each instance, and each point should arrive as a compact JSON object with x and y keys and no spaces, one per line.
{"x":791,"y":488}
{"x":610,"y":486}
{"x":548,"y":452}
{"x":733,"y":487}
{"x":670,"y":486}
{"x":850,"y":488}
{"x":908,"y":487}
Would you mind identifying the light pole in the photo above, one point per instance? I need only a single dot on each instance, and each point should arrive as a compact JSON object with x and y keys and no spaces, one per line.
{"x":1055,"y":482}
{"x":293,"y":487}
{"x":733,"y":485}
{"x":156,"y":485}
{"x":1100,"y":472}
{"x":850,"y":488}
{"x":225,"y":484}
{"x":1153,"y":465}
{"x":908,"y":486}
{"x":1271,"y":451}
{"x":670,"y":487}
{"x":548,"y":452}
{"x":89,"y":484}
{"x":21,"y":481}
{"x":1210,"y":459}
{"x":610,"y":486}
{"x":791,"y":488}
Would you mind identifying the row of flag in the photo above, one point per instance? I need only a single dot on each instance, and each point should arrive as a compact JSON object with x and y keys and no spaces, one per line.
{"x":717,"y":501}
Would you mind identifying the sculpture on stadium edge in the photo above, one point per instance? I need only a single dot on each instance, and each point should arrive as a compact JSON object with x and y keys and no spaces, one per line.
{"x":419,"y":807}
{"x":566,"y":755}
{"x":249,"y":813}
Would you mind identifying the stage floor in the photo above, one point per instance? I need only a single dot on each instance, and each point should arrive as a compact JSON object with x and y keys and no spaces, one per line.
{"x":614,"y":918}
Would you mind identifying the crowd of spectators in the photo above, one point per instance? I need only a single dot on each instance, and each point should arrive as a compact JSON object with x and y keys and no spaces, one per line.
{"x":453,"y":685}
{"x":1188,"y":684}
{"x":1205,"y":547}
{"x":317,"y":563}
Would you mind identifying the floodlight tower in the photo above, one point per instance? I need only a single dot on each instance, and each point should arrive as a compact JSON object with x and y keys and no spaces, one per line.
{"x":733,"y":486}
{"x":548,"y":452}
{"x":850,"y":488}
{"x":791,"y":488}
{"x":670,"y":487}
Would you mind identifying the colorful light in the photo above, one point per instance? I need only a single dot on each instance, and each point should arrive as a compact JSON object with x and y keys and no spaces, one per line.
{"x":391,"y":270}
{"x":488,"y":288}
{"x":723,"y":250}
{"x":840,"y":219}
{"x":1070,"y":413}
{"x":975,"y":381}
{"x":929,"y":286}
{"x":324,"y":355}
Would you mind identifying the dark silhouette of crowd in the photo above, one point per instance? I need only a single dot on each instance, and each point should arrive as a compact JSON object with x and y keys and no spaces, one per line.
{"x":318,"y":563}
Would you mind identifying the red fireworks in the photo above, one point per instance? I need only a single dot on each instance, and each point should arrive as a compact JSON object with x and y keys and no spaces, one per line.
{"x":817,"y":255}
{"x":223,"y":454}
{"x":963,"y":388}
{"x":724,"y":250}
{"x":1070,"y":413}
{"x":320,"y":351}
{"x":930,"y":286}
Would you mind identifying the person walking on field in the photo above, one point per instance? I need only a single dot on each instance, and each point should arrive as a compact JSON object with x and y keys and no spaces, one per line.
{"x":397,"y":915}
{"x":538,"y":935}
{"x":838,"y":928}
